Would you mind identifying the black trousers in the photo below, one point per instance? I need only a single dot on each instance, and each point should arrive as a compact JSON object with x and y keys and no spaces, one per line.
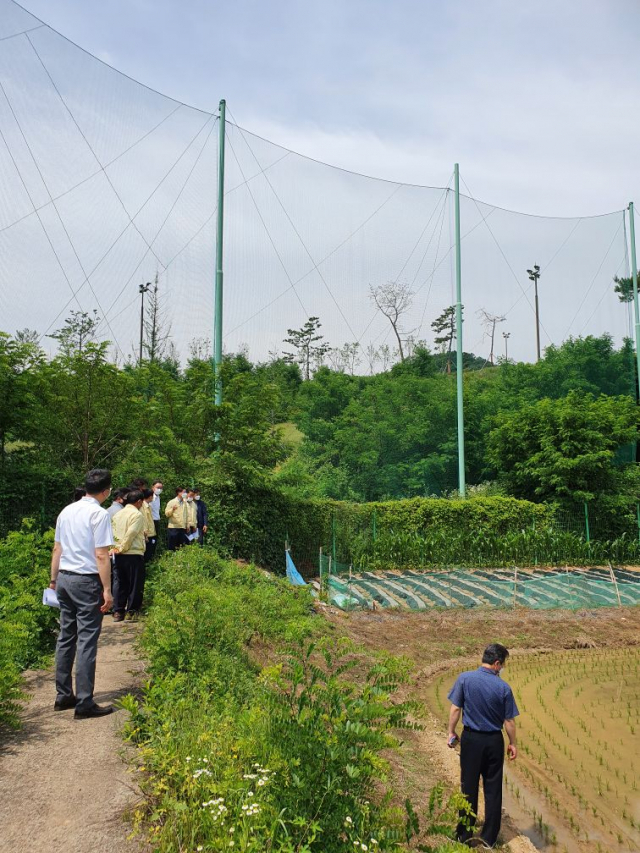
{"x":126,"y":570}
{"x":482,"y":755}
{"x":176,"y":538}
{"x":136,"y":593}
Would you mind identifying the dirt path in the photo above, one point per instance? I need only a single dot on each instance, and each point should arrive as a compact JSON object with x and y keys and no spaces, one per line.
{"x":63,"y":784}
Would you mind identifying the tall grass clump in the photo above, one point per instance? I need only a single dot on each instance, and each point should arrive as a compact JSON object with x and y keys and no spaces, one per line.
{"x":252,"y":735}
{"x":27,"y":629}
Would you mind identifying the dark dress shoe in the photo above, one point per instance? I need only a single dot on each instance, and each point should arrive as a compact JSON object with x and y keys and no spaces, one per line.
{"x":94,"y":711}
{"x":65,"y":704}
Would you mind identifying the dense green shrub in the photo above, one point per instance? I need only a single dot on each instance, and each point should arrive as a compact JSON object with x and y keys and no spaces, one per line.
{"x":285,"y":758}
{"x":27,"y":628}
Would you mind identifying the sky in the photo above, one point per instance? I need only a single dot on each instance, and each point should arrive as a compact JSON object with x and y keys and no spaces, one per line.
{"x":537,"y":101}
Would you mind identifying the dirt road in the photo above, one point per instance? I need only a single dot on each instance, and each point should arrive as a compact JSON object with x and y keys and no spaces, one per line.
{"x":63,"y":784}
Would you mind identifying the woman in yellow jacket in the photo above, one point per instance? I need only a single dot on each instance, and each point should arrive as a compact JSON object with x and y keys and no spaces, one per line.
{"x":128,"y":534}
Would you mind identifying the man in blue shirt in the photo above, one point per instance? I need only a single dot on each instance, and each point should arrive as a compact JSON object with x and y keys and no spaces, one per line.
{"x":486,"y":704}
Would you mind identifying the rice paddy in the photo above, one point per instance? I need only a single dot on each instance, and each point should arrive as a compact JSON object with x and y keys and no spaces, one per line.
{"x":579,"y":745}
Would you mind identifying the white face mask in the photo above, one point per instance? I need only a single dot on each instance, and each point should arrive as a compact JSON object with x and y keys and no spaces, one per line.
{"x":157,"y":491}
{"x":183,"y":495}
{"x":189,"y":500}
{"x":197,"y":497}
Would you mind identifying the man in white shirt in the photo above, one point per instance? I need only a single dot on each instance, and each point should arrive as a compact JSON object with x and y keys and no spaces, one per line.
{"x":155,"y":504}
{"x":81,"y":577}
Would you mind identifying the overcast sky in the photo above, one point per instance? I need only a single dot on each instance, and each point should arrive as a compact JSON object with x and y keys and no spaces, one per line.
{"x":537,"y":100}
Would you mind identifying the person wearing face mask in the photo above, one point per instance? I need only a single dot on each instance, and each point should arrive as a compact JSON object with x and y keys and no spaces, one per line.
{"x":155,"y":504}
{"x":192,"y":514}
{"x":176,"y":513}
{"x":128,"y":533}
{"x":202,"y":516}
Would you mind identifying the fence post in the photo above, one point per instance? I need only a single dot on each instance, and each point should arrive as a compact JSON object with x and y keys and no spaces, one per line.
{"x":333,"y":537}
{"x":615,"y":583}
{"x":586,"y":522}
{"x":515,"y":585}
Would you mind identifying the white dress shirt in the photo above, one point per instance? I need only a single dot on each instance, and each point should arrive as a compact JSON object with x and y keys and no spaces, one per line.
{"x":82,"y":527}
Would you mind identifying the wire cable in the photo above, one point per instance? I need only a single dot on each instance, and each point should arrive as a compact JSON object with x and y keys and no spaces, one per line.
{"x":303,"y":244}
{"x":140,"y":209}
{"x":90,"y":147}
{"x":93,"y":174}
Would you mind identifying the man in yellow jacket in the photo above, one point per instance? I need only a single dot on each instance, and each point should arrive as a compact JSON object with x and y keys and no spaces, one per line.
{"x":128,"y":534}
{"x":176,"y":512}
{"x":192,"y":514}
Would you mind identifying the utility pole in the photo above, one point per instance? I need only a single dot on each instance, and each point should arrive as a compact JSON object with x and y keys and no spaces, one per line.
{"x":462,"y":485}
{"x":142,"y":289}
{"x":636,"y":305}
{"x":534,"y":275}
{"x":506,"y":336}
{"x":217,"y":332}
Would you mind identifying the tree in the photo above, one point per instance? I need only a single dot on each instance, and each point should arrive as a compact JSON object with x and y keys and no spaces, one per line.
{"x":624,"y":288}
{"x":445,"y":328}
{"x":563,"y":449}
{"x":157,"y":328}
{"x":309,"y":345}
{"x":393,"y":299}
{"x":489,"y":321}
{"x":78,"y":330}
{"x":19,"y":383}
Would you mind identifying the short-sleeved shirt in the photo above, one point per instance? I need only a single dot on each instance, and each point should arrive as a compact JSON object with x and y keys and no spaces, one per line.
{"x":486,"y":700}
{"x":82,"y":527}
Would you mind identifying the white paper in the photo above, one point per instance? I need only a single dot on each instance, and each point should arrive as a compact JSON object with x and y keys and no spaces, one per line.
{"x":50,"y":598}
{"x":192,"y":536}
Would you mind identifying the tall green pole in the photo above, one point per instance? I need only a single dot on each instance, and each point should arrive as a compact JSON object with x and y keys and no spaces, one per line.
{"x":217,"y":332}
{"x":634,"y":273}
{"x":462,"y":485}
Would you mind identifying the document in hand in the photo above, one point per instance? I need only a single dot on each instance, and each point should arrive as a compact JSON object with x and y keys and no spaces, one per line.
{"x":50,"y":598}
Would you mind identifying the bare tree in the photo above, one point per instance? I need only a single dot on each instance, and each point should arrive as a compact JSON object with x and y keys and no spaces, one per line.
{"x":200,"y":349}
{"x":335,"y":357}
{"x":157,"y":328}
{"x":350,"y":354}
{"x":372,"y":355}
{"x":393,"y":299}
{"x":490,"y":321}
{"x":386,"y":356}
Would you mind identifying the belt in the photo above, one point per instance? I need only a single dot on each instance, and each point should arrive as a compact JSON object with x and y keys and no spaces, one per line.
{"x":79,"y":574}
{"x":481,"y":732}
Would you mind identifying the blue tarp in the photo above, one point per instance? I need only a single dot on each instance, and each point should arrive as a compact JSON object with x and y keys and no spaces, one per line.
{"x":292,"y":573}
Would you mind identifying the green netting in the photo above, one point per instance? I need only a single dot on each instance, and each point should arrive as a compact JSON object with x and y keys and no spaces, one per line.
{"x":536,"y":589}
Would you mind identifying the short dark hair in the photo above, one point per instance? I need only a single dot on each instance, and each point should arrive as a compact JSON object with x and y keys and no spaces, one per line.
{"x":179,"y":490}
{"x":495,"y":652}
{"x":138,"y":483}
{"x":116,"y":494}
{"x":97,"y":480}
{"x":133,"y":496}
{"x":157,"y":483}
{"x":192,"y":489}
{"x":79,"y":492}
{"x":147,"y":493}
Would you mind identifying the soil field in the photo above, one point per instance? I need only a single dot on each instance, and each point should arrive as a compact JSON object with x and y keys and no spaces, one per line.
{"x":575,"y":676}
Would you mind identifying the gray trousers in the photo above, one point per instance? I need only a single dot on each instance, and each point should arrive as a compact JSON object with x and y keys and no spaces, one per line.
{"x":80,"y":598}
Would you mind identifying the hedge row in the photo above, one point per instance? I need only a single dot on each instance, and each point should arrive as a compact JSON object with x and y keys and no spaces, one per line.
{"x":253,"y":521}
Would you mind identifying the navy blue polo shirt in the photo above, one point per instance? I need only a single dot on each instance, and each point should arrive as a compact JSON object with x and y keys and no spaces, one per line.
{"x":486,"y":700}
